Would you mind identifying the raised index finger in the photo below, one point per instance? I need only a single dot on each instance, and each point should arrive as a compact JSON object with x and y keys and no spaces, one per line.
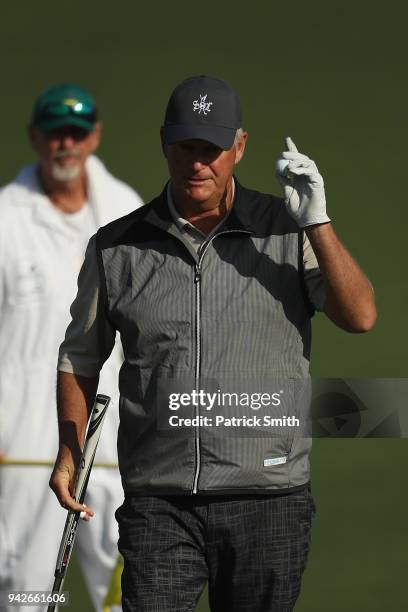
{"x":290,"y":145}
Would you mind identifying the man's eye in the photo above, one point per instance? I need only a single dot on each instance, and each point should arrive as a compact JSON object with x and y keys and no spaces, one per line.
{"x":185,"y":147}
{"x":213,"y":149}
{"x":210,"y":149}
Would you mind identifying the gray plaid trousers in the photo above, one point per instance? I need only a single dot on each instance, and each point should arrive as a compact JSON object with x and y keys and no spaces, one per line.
{"x":251,"y":549}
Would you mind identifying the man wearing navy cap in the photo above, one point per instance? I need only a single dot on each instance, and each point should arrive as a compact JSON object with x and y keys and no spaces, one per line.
{"x":212,"y":287}
{"x":47,"y":215}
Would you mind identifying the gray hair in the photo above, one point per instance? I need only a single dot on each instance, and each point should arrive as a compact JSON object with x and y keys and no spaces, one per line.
{"x":238,"y":136}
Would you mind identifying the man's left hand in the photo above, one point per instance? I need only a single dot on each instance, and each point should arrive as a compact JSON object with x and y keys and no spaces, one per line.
{"x":303,"y":187}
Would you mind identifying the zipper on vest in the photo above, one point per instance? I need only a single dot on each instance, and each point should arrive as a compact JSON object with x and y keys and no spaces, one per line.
{"x":197,"y":282}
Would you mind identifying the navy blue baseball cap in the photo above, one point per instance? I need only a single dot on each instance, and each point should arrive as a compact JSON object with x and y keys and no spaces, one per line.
{"x":205,"y":108}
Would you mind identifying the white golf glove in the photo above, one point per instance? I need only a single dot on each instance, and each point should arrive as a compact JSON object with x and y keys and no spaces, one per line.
{"x":303,"y":186}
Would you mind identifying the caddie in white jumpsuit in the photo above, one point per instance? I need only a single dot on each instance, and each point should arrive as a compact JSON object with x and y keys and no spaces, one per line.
{"x":47,"y":214}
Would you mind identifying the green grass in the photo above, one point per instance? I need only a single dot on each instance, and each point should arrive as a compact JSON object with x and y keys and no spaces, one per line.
{"x":333,"y":76}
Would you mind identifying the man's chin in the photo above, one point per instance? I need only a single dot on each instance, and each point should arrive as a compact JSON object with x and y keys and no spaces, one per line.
{"x":199,"y":192}
{"x":64,"y":174}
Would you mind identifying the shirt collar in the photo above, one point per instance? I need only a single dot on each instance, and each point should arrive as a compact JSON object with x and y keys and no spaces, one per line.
{"x":183,"y":224}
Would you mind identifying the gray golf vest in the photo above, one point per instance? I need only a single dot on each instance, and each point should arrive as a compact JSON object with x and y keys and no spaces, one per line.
{"x":234,"y":318}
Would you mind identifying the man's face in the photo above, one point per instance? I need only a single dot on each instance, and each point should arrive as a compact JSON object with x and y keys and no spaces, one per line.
{"x":63,"y":151}
{"x":200,"y":171}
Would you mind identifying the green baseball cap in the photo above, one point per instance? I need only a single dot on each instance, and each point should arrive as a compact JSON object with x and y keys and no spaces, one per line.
{"x":62,"y":105}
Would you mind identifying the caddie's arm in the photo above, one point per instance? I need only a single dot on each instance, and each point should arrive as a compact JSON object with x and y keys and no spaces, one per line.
{"x":350,"y":300}
{"x":89,"y":341}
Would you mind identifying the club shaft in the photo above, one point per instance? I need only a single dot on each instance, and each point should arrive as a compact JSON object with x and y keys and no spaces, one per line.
{"x":96,"y":420}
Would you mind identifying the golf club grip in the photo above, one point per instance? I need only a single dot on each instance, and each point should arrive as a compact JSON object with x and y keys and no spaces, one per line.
{"x":93,"y":433}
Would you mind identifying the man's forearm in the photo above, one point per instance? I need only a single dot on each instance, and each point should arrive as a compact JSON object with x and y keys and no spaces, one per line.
{"x":75,"y":396}
{"x":350,"y":297}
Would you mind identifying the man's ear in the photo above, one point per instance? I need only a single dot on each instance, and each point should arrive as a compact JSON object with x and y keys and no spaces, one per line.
{"x":96,"y":136}
{"x":240,"y":147}
{"x":33,"y":137}
{"x":163,"y":144}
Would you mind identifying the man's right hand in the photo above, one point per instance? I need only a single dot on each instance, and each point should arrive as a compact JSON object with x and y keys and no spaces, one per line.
{"x":62,"y":483}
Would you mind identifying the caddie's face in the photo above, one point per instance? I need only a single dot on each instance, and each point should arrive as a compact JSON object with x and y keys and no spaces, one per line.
{"x":63,"y":151}
{"x":201,"y":171}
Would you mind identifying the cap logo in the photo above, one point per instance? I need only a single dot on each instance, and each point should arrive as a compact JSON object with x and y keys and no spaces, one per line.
{"x":70,"y":102}
{"x":76,"y":105}
{"x":202,"y":106}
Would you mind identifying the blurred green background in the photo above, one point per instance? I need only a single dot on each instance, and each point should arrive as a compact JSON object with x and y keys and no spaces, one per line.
{"x":333,"y":76}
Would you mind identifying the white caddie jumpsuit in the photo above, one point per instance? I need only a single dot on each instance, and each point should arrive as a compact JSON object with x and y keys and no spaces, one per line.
{"x":41,"y":251}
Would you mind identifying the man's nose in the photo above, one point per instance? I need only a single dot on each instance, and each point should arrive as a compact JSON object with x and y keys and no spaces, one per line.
{"x":198,"y":164}
{"x":67,"y":141}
